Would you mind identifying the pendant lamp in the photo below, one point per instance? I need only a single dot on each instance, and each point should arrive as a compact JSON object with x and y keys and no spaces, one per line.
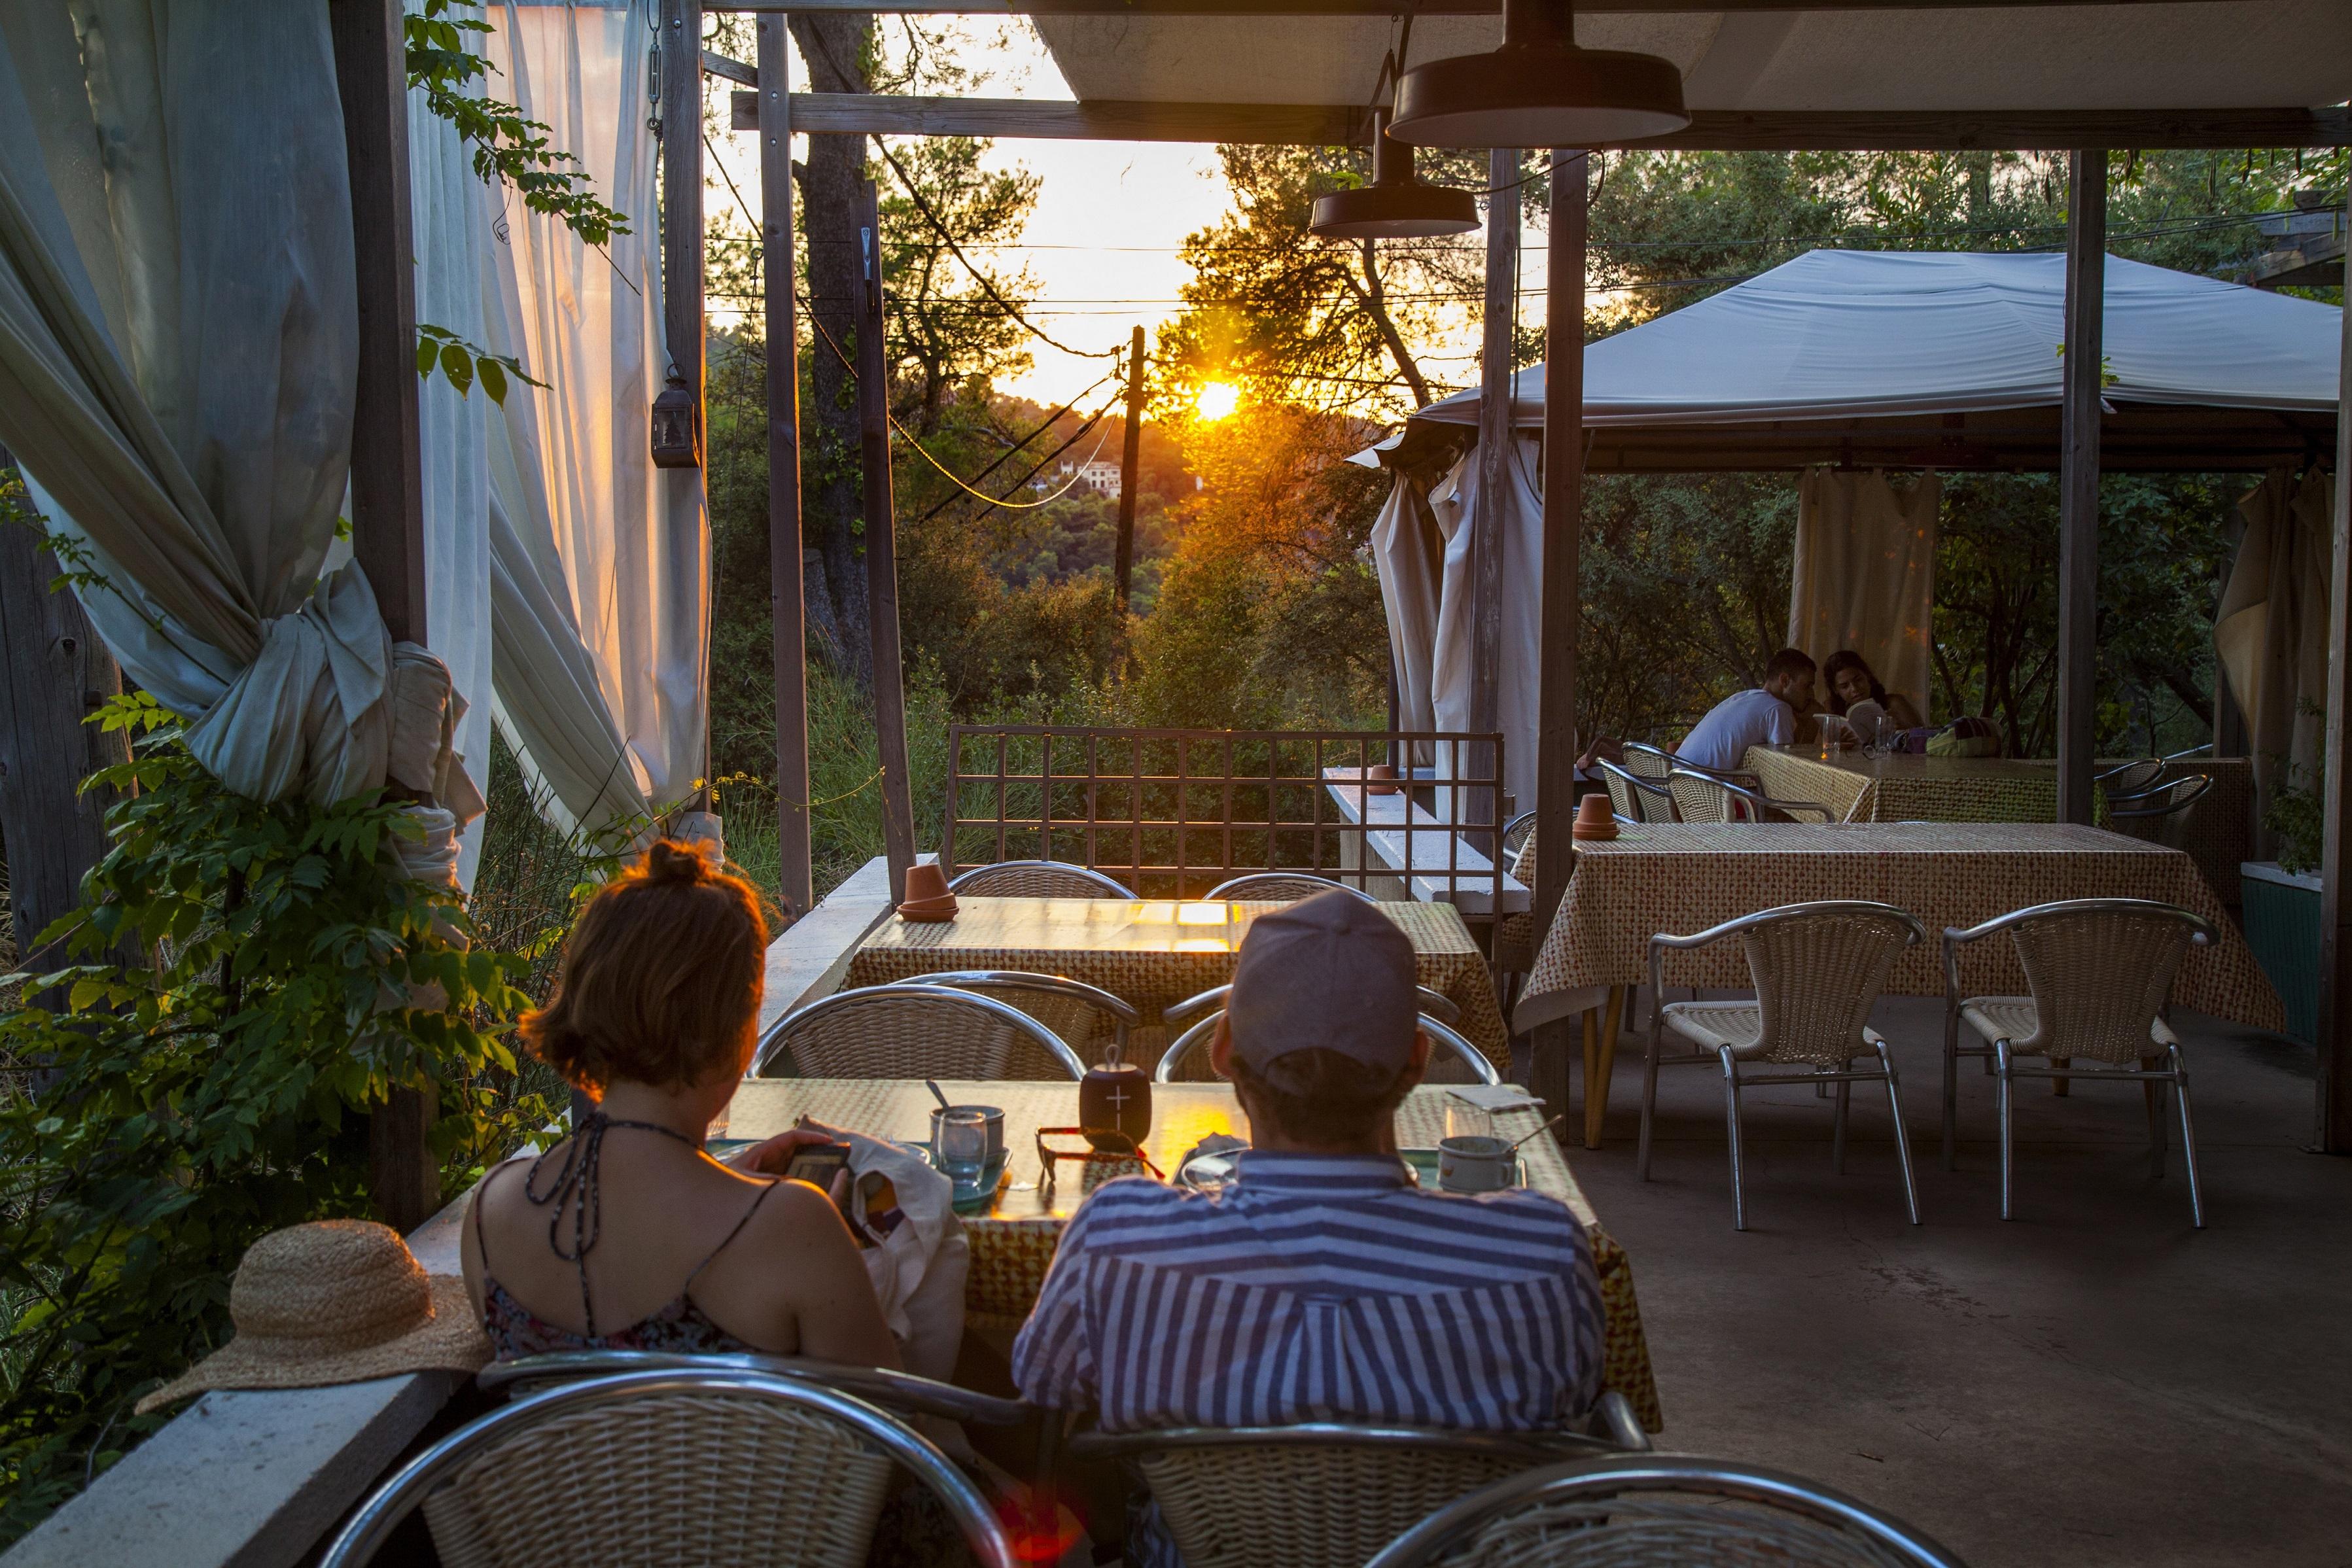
{"x":1396,"y":204}
{"x":1538,"y":90}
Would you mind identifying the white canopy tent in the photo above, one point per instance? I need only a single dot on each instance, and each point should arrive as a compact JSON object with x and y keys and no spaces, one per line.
{"x":1933,"y":360}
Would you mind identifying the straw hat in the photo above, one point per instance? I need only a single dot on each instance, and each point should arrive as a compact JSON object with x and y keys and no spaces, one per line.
{"x":339,"y":1301}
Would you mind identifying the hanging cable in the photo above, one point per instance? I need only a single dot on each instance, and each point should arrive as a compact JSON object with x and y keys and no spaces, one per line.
{"x":1009,"y":452}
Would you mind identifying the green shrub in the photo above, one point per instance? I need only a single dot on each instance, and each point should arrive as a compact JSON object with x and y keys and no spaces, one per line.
{"x":186,"y":1109}
{"x":2297,"y":815}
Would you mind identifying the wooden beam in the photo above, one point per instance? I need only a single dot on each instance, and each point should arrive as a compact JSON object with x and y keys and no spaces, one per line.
{"x":387,"y":457}
{"x":680,"y":79}
{"x":787,"y":593}
{"x":2334,"y":1031}
{"x":2078,"y":482}
{"x":1358,"y":7}
{"x":718,"y":65}
{"x":882,"y":550}
{"x":1496,"y":432}
{"x":1563,"y":518}
{"x":1336,"y":125}
{"x":1123,"y":568}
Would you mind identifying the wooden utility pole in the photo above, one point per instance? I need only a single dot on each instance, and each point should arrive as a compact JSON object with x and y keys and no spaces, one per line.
{"x":53,"y":672}
{"x":387,"y":489}
{"x":2335,"y":1031}
{"x":1563,"y":517}
{"x":1495,"y":436}
{"x":2078,"y":482}
{"x":1127,"y":466}
{"x":882,"y":549}
{"x":787,"y":599}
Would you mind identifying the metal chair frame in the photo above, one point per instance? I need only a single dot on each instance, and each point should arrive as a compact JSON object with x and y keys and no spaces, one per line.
{"x":1445,"y":1535}
{"x":2000,"y":1053}
{"x":1733,"y":1081}
{"x":1197,"y":1037}
{"x":1743,"y":804}
{"x":1634,"y":800}
{"x":1109,"y":887}
{"x":2168,"y":818}
{"x":1609,"y":1426}
{"x":1122,"y":1015}
{"x":776,"y":1039}
{"x":1432,"y":1004}
{"x":368,"y":1528}
{"x":900,"y":1393}
{"x":2131,"y":777}
{"x":1515,"y":833}
{"x":1240,"y":887}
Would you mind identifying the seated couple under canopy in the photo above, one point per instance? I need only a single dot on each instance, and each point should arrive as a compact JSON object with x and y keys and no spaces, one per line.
{"x":1321,"y":1285}
{"x":1786,"y":708}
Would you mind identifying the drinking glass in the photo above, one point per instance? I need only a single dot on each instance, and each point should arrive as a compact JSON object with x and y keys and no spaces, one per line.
{"x":964,"y":1145}
{"x":1463,"y":1119}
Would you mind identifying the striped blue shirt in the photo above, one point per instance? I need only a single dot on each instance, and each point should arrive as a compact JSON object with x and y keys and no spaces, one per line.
{"x":1319,"y":1288}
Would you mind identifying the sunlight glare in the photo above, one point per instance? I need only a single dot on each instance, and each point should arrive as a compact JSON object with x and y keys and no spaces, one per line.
{"x":1216,"y":399}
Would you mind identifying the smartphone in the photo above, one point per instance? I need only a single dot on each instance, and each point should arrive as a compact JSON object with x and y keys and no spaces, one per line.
{"x":817,"y":1164}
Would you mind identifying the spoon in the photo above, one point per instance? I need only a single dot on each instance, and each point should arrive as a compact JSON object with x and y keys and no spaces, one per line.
{"x":1546,"y":1127}
{"x":937,"y":1094}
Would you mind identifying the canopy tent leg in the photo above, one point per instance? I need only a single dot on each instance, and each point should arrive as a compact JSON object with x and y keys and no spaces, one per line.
{"x":882,"y":552}
{"x":2334,"y":1031}
{"x":2078,"y":482}
{"x":387,"y":457}
{"x":1564,"y":517}
{"x":1494,"y":472}
{"x":787,"y":606}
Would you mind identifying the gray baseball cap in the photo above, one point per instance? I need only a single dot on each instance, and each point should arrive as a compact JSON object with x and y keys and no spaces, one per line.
{"x":1329,"y":971}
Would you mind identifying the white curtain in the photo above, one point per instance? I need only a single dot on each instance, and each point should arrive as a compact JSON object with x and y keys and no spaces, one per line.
{"x":1864,"y":575}
{"x":2270,"y":629}
{"x":178,"y":360}
{"x":1461,"y":510}
{"x":601,"y":561}
{"x":1409,"y":558}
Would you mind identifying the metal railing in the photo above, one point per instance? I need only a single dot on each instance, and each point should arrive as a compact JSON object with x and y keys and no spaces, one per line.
{"x":1172,"y":812}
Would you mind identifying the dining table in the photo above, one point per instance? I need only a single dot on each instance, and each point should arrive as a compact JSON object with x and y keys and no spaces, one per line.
{"x":1013,"y":1235}
{"x":1150,"y":953}
{"x":1682,"y":878}
{"x":1858,"y":786}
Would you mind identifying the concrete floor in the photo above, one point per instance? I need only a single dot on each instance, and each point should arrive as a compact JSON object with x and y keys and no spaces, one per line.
{"x":2092,"y":1383}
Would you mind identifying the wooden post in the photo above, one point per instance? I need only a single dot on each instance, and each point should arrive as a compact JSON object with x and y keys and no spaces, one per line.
{"x":1127,"y":466}
{"x":2078,"y":482}
{"x":678,"y":49}
{"x":1563,"y":518}
{"x":2335,"y":1031}
{"x":1495,"y":436}
{"x":53,"y":672}
{"x":787,"y":602}
{"x":882,"y":549}
{"x":387,"y":490}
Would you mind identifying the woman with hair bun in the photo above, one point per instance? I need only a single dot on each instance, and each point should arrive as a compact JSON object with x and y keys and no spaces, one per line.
{"x":626,"y":1235}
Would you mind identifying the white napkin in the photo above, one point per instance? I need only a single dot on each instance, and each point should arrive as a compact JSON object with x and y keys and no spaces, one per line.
{"x":919,"y":1268}
{"x":1493,"y":1097}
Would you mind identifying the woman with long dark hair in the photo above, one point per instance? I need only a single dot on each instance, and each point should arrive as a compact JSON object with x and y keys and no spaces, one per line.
{"x":1849,"y":680}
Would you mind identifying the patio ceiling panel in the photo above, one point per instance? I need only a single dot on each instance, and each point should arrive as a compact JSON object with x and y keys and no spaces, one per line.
{"x":2203,"y":54}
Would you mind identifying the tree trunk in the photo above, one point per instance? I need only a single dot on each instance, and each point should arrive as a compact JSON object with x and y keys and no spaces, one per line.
{"x":836,"y":46}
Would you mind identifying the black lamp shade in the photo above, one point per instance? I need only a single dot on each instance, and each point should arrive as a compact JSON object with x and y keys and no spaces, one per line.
{"x":1404,"y":209}
{"x":1539,"y":91}
{"x":676,"y":427}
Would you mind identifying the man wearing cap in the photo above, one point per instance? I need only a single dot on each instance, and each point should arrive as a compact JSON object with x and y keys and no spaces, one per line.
{"x":1322,"y":1286}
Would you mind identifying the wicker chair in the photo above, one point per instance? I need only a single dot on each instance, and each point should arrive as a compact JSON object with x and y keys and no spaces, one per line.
{"x":1704,"y":797}
{"x":1516,"y":834}
{"x":1644,"y":761}
{"x":1037,"y":879}
{"x":1203,"y":1012}
{"x":713,"y":1465}
{"x":902,"y":1393}
{"x":2130,"y":778}
{"x":1633,"y":800}
{"x":1664,"y":1510}
{"x":1286,"y":886}
{"x":1818,"y":968}
{"x":912,"y":1030}
{"x":2100,"y":969}
{"x":1086,"y":1017}
{"x":1323,"y":1494}
{"x":2160,"y":815}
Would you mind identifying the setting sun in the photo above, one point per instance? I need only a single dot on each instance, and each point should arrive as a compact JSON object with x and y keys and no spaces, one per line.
{"x":1216,"y":399}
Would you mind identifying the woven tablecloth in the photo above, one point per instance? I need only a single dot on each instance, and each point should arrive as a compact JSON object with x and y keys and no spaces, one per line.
{"x":1014,"y":1241}
{"x":1905,"y":788}
{"x":1684,"y":878}
{"x":1150,"y":953}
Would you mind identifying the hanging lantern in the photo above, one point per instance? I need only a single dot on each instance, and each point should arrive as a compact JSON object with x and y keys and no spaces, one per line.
{"x":677,"y":426}
{"x":1540,"y":90}
{"x":1396,"y":204}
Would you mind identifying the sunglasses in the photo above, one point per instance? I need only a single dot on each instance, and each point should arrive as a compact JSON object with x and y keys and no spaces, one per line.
{"x":1104,"y":1146}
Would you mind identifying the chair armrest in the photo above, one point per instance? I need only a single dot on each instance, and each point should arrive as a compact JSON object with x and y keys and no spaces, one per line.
{"x":1193,"y":1005}
{"x":1827,"y":815}
{"x":1613,"y":1417}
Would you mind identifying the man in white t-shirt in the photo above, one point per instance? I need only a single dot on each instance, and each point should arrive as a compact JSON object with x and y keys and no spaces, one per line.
{"x":1764,"y":717}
